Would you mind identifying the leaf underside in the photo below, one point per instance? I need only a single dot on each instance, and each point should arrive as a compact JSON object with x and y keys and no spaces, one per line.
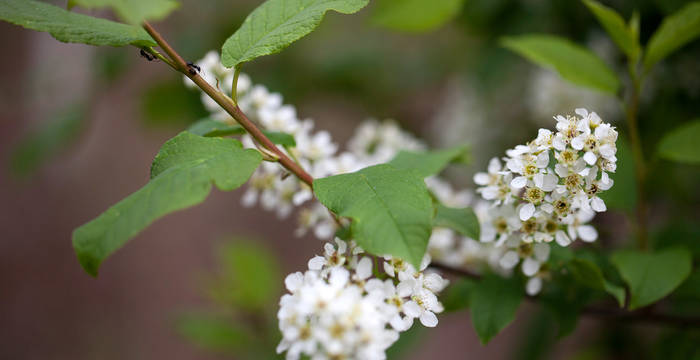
{"x":71,"y":27}
{"x":573,"y":62}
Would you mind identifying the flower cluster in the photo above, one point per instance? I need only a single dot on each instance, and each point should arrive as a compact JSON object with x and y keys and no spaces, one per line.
{"x":547,"y":190}
{"x":337,"y":310}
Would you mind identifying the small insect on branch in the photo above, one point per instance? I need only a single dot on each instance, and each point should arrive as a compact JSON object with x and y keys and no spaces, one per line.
{"x":193,"y":68}
{"x":148,"y":56}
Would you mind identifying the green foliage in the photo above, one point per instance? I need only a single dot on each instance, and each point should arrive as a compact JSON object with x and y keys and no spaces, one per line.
{"x":573,"y":62}
{"x":181,"y":176}
{"x":623,"y":195}
{"x":244,"y":288}
{"x":211,"y":332}
{"x":131,"y":11}
{"x":458,"y":295}
{"x":391,"y":209}
{"x":678,"y":344}
{"x":494,"y":302}
{"x":678,"y":233}
{"x":170,"y":103}
{"x":690,"y":289}
{"x":214,"y":128}
{"x":651,"y":276}
{"x":276,"y":24}
{"x":249,"y":277}
{"x":589,"y":274}
{"x":564,"y":298}
{"x":464,"y":220}
{"x":681,"y":143}
{"x":536,"y":343}
{"x":408,"y":341}
{"x":675,"y":31}
{"x":70,"y":27}
{"x":48,"y":140}
{"x":624,"y":36}
{"x":428,"y":163}
{"x":415,"y":15}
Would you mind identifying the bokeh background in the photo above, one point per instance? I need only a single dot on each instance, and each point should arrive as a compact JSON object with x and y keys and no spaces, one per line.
{"x":451,"y":85}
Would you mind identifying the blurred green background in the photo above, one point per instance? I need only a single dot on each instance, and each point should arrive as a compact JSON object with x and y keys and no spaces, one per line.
{"x":80,"y":125}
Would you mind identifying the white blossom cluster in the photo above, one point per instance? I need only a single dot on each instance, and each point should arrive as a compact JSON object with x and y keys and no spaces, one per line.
{"x":338,"y":310}
{"x":547,"y":190}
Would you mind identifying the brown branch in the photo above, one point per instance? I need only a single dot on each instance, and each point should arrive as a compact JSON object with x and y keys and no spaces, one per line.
{"x":604,"y":313}
{"x":230,"y":106}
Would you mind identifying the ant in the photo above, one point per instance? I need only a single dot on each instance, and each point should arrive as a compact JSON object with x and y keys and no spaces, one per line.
{"x":193,"y":68}
{"x":146,"y":55}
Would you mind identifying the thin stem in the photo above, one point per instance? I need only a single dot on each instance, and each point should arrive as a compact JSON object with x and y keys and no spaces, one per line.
{"x":161,"y":57}
{"x":234,"y":84}
{"x":605,"y":313}
{"x":639,"y":162}
{"x":231,"y":108}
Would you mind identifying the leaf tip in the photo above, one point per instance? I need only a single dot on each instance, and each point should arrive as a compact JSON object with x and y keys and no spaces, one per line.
{"x":88,"y":262}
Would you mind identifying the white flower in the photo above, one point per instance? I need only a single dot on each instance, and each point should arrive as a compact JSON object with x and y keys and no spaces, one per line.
{"x":423,"y":305}
{"x":533,"y":286}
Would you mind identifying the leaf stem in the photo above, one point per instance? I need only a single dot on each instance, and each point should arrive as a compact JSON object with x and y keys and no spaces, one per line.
{"x":160,"y":57}
{"x":229,"y":106}
{"x":631,"y":110}
{"x":234,"y":84}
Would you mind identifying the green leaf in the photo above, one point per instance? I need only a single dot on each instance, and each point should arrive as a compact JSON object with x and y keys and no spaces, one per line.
{"x":681,"y":143}
{"x":623,"y":195}
{"x":390,"y":208}
{"x":280,"y":138}
{"x":564,"y":299}
{"x":428,"y":163}
{"x":213,"y":128}
{"x":464,"y":220}
{"x":276,"y":24}
{"x":589,"y":274}
{"x":415,"y":15}
{"x":249,"y":277}
{"x":70,"y":27}
{"x":573,"y":62}
{"x":675,"y":31}
{"x":212,"y":332}
{"x":613,"y":23}
{"x":181,"y":176}
{"x":48,"y":140}
{"x":651,"y":276}
{"x":494,"y":303}
{"x":131,"y":11}
{"x":458,"y":295}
